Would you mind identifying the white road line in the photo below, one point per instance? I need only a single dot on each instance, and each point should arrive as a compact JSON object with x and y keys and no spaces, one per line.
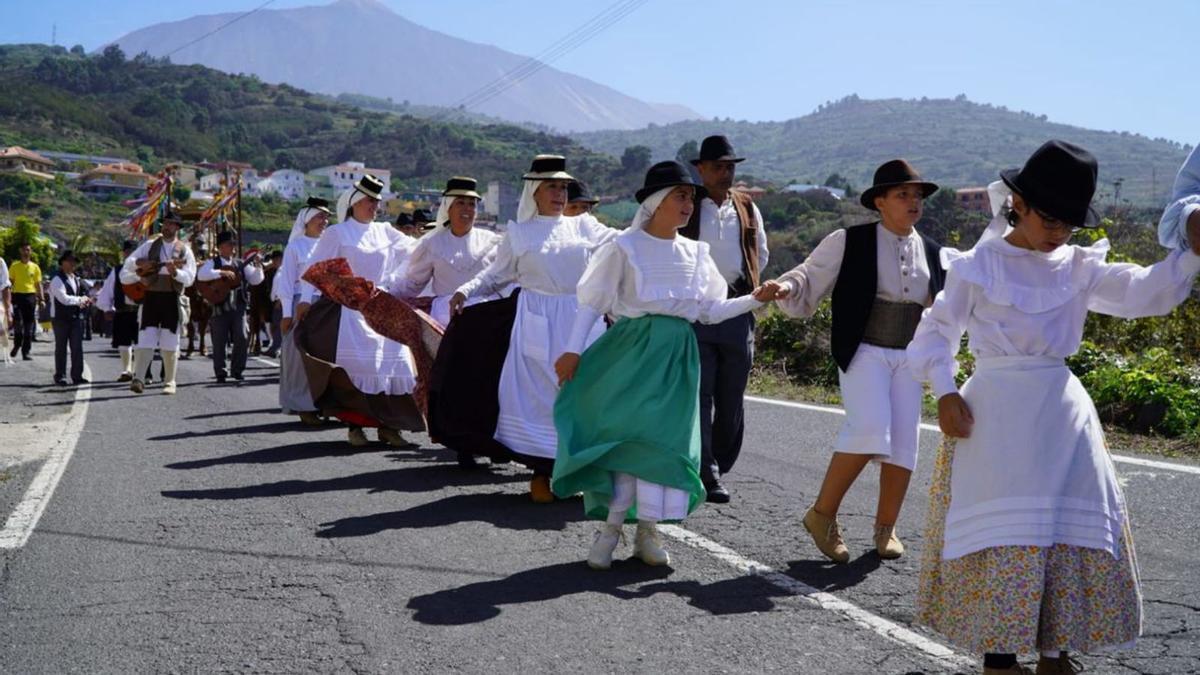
{"x":265,"y":360}
{"x":29,"y":510}
{"x":1124,"y":459}
{"x":822,"y":600}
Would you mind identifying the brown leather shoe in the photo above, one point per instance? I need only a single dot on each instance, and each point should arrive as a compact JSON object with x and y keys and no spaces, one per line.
{"x":827,"y":536}
{"x":539,"y":490}
{"x":1063,"y":665}
{"x":886,"y":544}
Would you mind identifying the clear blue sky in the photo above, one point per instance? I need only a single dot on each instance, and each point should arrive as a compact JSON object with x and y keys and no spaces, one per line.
{"x":1125,"y":66}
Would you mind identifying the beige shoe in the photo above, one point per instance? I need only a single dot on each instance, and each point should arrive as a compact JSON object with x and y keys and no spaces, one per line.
{"x":394,"y":439}
{"x":1063,"y":665}
{"x":169,"y":387}
{"x":886,"y":544}
{"x":601,"y":554}
{"x":357,"y":438}
{"x":170,"y":361}
{"x":310,"y":418}
{"x":647,"y":545}
{"x":1015,"y":670}
{"x":827,"y":536}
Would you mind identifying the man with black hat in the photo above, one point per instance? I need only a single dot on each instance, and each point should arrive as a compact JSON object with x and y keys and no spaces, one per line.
{"x":228,"y":323}
{"x":166,"y":266}
{"x":423,"y":222}
{"x":731,"y":224}
{"x":70,"y":297}
{"x":404,"y":223}
{"x":579,"y":200}
{"x":123,"y":313}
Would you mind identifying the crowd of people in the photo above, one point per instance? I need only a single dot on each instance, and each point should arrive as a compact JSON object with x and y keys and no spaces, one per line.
{"x":613,"y":362}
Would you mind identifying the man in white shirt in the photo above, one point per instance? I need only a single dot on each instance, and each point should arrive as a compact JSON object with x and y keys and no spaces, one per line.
{"x":729,"y":222}
{"x":69,"y":296}
{"x":228,"y":323}
{"x":5,"y":296}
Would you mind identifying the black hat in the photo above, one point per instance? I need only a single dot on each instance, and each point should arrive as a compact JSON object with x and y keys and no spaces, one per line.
{"x":893,"y":173}
{"x":421,"y":216}
{"x":128,"y":245}
{"x":577,"y":191}
{"x":548,"y":167}
{"x":1058,"y":179}
{"x":319,"y":204}
{"x":403,"y":220}
{"x":717,"y":149}
{"x":461,"y":186}
{"x":224,"y":237}
{"x":668,"y":174}
{"x":67,"y":255}
{"x":370,"y":186}
{"x":172,"y":216}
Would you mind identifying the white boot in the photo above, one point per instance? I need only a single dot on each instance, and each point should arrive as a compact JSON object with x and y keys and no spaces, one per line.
{"x":141,"y":359}
{"x":170,"y":360}
{"x":601,"y":554}
{"x":126,"y":364}
{"x":647,"y":545}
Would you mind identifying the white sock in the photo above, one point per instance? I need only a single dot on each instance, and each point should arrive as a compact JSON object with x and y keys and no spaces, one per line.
{"x":141,"y":359}
{"x":616,"y":517}
{"x":126,"y":359}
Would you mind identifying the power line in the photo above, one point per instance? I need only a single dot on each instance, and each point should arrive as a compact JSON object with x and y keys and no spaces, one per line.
{"x":218,"y":28}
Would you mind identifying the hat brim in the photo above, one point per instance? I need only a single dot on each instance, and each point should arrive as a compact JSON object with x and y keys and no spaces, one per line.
{"x":322,"y":209}
{"x":1091,"y":219}
{"x":462,"y":193}
{"x":645,"y":192}
{"x":726,"y":158}
{"x":868,"y":196}
{"x":548,"y":175}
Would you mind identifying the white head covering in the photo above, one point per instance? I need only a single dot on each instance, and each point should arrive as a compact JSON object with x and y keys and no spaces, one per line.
{"x":999,"y":197}
{"x":298,"y":226}
{"x":648,"y":206}
{"x":346,"y":201}
{"x":527,"y":208}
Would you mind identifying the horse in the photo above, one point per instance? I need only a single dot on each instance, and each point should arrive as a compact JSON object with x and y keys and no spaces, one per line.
{"x":201,"y":313}
{"x":259,"y":312}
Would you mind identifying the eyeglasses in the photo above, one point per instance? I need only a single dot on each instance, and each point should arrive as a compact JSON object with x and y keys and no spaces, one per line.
{"x":1052,"y":224}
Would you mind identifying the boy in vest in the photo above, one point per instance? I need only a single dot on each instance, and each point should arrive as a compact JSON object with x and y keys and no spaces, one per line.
{"x":70,"y":297}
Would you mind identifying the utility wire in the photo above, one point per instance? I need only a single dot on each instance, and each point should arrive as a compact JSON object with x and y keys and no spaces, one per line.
{"x":218,"y":28}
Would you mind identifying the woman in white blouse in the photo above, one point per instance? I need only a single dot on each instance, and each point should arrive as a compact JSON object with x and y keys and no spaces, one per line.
{"x":545,"y":253}
{"x":454,"y":253}
{"x":294,"y":395}
{"x":882,"y":275}
{"x":1029,"y":547}
{"x":629,"y":416}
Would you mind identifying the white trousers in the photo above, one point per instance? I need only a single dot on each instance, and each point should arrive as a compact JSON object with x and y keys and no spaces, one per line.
{"x":654,"y":502}
{"x":149,"y":338}
{"x":883,"y":407}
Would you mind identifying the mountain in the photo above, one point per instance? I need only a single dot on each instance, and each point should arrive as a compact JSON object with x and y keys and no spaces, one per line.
{"x":154,"y":112}
{"x":362,"y":47}
{"x":953,"y":142}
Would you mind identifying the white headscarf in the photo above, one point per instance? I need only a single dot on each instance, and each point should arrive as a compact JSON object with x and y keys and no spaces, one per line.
{"x":443,"y":213}
{"x":999,"y":197}
{"x":346,"y":201}
{"x":527,"y":208}
{"x":648,"y":206}
{"x":301,"y":223}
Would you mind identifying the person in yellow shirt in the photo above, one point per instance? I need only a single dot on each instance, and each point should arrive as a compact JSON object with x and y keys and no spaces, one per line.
{"x":26,"y":279}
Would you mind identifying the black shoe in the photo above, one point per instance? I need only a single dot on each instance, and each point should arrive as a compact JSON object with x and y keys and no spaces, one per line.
{"x":26,"y":357}
{"x":271,"y":354}
{"x":82,"y":380}
{"x":239,"y":377}
{"x":467,"y":461}
{"x":717,"y":494}
{"x":220,"y":379}
{"x":60,"y":382}
{"x":13,"y":353}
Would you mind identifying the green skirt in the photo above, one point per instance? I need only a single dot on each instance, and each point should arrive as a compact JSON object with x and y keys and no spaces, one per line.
{"x":633,"y":407}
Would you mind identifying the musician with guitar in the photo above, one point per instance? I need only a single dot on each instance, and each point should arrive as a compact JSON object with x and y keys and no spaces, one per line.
{"x":156,"y":274}
{"x":224,"y":283}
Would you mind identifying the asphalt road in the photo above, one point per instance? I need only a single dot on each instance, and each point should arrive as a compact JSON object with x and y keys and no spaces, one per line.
{"x":207,"y":533}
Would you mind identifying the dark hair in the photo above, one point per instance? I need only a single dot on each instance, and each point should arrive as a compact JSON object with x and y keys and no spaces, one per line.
{"x":1010,"y":214}
{"x":24,"y":244}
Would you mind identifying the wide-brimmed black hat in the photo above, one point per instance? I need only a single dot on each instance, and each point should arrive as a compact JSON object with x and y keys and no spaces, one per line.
{"x":668,"y":174}
{"x":319,"y":204}
{"x":67,"y":255}
{"x":717,"y":149}
{"x":403,"y":220}
{"x":370,"y":186}
{"x":461,"y":186}
{"x":548,"y":167}
{"x":224,"y":237}
{"x":421,"y":217}
{"x":893,"y":173}
{"x":577,"y":191}
{"x":1058,"y":179}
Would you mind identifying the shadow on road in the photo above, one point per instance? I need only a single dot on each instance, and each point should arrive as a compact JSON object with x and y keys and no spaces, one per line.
{"x":829,"y":576}
{"x":505,"y":510}
{"x":294,"y":452}
{"x":267,"y":428}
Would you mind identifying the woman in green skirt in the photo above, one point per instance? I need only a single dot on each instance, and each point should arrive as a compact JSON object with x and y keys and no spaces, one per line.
{"x":628,"y":414}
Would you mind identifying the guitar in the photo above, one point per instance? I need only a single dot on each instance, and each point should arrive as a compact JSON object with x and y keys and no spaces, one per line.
{"x":146,"y":268}
{"x":217,"y":291}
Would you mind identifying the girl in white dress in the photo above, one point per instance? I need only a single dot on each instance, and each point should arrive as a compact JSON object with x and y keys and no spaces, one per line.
{"x":294,"y":396}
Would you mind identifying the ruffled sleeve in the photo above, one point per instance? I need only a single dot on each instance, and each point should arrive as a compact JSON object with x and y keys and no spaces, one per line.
{"x":1185,"y":200}
{"x":813,"y":279}
{"x":1131,"y":291}
{"x":595,"y":231}
{"x":420,"y":268}
{"x":935,"y":344}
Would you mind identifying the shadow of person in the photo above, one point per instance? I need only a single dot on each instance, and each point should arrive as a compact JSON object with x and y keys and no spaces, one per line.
{"x":416,"y":479}
{"x":266,"y":428}
{"x":825,"y":575}
{"x":504,"y":510}
{"x":739,"y":595}
{"x":478,"y":602}
{"x":296,"y":452}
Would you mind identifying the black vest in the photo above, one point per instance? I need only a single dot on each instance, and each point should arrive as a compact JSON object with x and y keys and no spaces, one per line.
{"x":68,"y":312}
{"x":857,"y":284}
{"x":238,"y":297}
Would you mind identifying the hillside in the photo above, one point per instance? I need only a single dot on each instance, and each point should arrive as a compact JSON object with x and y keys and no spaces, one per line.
{"x":156,"y":112}
{"x":954,"y":142}
{"x":377,"y":52}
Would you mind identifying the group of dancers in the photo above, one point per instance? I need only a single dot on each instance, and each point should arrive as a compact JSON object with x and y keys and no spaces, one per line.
{"x":613,"y":363}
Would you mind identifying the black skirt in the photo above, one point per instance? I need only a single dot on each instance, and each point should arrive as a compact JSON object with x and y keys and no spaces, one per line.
{"x":160,"y":310}
{"x":124,"y":329}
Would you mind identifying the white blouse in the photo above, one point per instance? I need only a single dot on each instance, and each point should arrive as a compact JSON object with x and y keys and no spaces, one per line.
{"x":374,"y":251}
{"x":902,"y":272}
{"x":721,"y":229}
{"x":448,"y":260}
{"x":546,"y":254}
{"x":287,"y":278}
{"x":638,"y":274}
{"x":1017,"y":302}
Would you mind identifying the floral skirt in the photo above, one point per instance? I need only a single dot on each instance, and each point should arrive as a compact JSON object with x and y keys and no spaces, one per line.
{"x":1022,"y":599}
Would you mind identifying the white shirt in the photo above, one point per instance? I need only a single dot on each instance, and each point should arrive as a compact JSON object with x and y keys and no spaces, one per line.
{"x":58,"y":291}
{"x":184,"y":275}
{"x":374,"y":251}
{"x":4,"y":281}
{"x":104,"y":299}
{"x":722,"y":231}
{"x":638,"y":274}
{"x":449,"y":261}
{"x":287,"y":278}
{"x":902,"y":272}
{"x":1018,"y":302}
{"x":253,"y":274}
{"x":546,"y":254}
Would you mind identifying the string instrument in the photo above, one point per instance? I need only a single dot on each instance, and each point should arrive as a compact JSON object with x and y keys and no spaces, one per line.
{"x":146,"y":268}
{"x":217,"y":291}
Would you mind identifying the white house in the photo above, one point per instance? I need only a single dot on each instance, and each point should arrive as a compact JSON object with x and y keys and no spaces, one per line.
{"x":286,"y":183}
{"x":343,"y":176}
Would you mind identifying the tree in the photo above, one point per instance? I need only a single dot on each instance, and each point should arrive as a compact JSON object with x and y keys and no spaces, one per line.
{"x":111,"y":58}
{"x":426,"y":163}
{"x":78,"y":50}
{"x":636,"y":159}
{"x":26,"y":230}
{"x":687,"y":152}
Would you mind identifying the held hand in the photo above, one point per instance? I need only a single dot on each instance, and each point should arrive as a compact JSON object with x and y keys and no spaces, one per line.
{"x":1193,"y":231}
{"x":171,"y":268}
{"x":769,"y":291}
{"x":457,"y":301}
{"x":227,"y":274}
{"x":285,"y":325}
{"x":565,"y":366}
{"x":301,"y":310}
{"x":954,"y":416}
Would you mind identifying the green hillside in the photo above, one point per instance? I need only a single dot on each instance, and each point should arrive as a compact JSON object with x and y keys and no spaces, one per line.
{"x":954,"y":142}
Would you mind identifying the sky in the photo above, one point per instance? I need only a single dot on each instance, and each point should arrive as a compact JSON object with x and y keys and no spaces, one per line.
{"x":1100,"y":64}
